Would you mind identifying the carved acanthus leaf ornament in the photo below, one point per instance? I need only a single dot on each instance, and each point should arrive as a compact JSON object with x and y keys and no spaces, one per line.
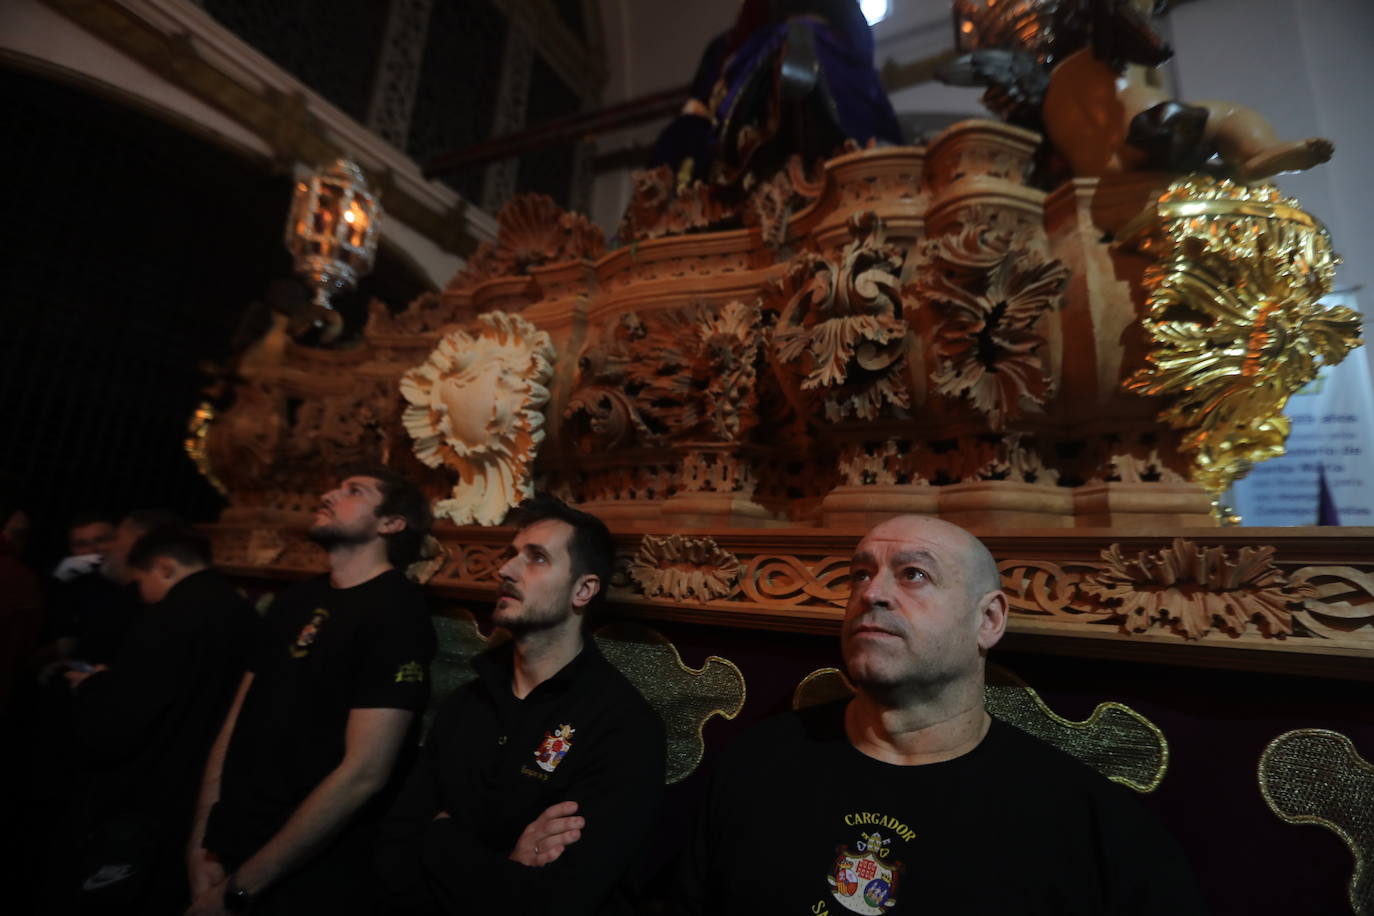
{"x":1193,"y":589}
{"x":676,"y":375}
{"x":684,"y":567}
{"x":991,"y":291}
{"x":841,"y":324}
{"x":1234,"y":319}
{"x":660,"y":206}
{"x":475,"y":407}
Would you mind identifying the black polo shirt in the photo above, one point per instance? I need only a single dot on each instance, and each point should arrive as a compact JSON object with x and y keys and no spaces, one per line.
{"x":328,"y":651}
{"x":494,"y":763}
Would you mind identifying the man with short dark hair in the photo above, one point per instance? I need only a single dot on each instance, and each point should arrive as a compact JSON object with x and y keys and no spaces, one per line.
{"x":89,"y":536}
{"x":303,"y":763}
{"x":143,"y":725}
{"x":910,"y":798}
{"x":540,"y":780}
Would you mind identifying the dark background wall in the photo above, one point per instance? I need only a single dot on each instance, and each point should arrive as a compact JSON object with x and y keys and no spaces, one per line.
{"x":133,"y":252}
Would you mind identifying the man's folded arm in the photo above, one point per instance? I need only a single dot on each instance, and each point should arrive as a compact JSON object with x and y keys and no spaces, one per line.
{"x":618,"y":797}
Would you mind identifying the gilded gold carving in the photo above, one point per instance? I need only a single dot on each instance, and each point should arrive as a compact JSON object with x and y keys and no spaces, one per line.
{"x":197,"y":430}
{"x":475,"y":407}
{"x":685,"y":697}
{"x":684,"y":567}
{"x":841,"y":322}
{"x":991,"y":291}
{"x":1316,"y":776}
{"x":1233,"y":318}
{"x":1192,"y":589}
{"x":1115,"y":740}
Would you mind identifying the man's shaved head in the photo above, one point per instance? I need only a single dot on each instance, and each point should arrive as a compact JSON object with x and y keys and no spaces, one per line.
{"x":979,"y":568}
{"x":924,"y":608}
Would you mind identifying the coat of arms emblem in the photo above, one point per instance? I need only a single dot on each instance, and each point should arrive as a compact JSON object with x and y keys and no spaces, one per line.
{"x":861,"y":880}
{"x":306,"y":637}
{"x":554,"y":748}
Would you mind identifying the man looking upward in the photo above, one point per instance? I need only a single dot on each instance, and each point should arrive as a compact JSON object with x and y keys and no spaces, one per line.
{"x":910,"y":797}
{"x":297,"y":775}
{"x":540,"y":780}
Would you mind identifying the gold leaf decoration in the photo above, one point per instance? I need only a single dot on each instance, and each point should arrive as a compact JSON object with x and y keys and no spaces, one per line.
{"x":1115,"y":740}
{"x":683,"y":567}
{"x":1316,"y":776}
{"x":475,"y":407}
{"x":991,"y":292}
{"x":686,"y":698}
{"x":1192,"y":589}
{"x":1233,"y":317}
{"x":841,"y":323}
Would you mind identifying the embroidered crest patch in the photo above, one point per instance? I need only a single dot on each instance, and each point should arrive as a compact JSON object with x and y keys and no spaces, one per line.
{"x":554,"y":748}
{"x":306,"y":637}
{"x":410,"y":673}
{"x":863,"y":881}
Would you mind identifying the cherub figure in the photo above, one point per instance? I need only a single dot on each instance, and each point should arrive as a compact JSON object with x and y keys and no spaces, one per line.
{"x":1059,"y":66}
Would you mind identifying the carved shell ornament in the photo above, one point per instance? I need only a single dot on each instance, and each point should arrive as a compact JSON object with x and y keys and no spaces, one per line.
{"x":475,"y":406}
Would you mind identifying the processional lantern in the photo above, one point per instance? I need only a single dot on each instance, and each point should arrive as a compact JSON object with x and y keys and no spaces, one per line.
{"x":331,"y":232}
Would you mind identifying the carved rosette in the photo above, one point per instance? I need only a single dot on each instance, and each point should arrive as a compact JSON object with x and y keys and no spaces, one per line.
{"x":991,"y":292}
{"x":840,"y":324}
{"x":1193,"y":589}
{"x":475,"y":408}
{"x":1233,"y":318}
{"x":684,"y":567}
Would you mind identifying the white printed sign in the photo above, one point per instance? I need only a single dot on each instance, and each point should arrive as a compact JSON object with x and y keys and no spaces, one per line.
{"x":1333,"y":432}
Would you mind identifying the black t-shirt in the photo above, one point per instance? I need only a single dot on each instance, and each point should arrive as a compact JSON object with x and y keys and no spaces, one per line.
{"x":143,"y":728}
{"x":494,"y":763}
{"x":328,"y":651}
{"x":97,"y":614}
{"x":800,"y":822}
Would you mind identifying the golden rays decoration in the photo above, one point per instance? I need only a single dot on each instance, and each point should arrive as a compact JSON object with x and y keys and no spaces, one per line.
{"x":1316,"y":776}
{"x":686,"y":698}
{"x":1233,"y":318}
{"x":1115,"y":740}
{"x":1193,"y":589}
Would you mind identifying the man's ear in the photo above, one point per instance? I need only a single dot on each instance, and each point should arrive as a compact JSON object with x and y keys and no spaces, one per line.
{"x":390,"y":524}
{"x":587,"y":586}
{"x":165,"y":568}
{"x":992,"y":619}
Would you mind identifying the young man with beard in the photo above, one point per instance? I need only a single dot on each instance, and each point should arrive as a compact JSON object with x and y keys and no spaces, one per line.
{"x":540,"y":780}
{"x":302,"y":765}
{"x":910,"y":798}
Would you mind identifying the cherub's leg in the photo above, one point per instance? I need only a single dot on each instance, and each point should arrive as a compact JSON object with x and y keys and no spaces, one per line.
{"x":1247,"y":142}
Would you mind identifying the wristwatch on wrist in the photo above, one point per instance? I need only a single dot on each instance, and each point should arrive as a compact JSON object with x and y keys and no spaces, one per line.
{"x":236,"y":899}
